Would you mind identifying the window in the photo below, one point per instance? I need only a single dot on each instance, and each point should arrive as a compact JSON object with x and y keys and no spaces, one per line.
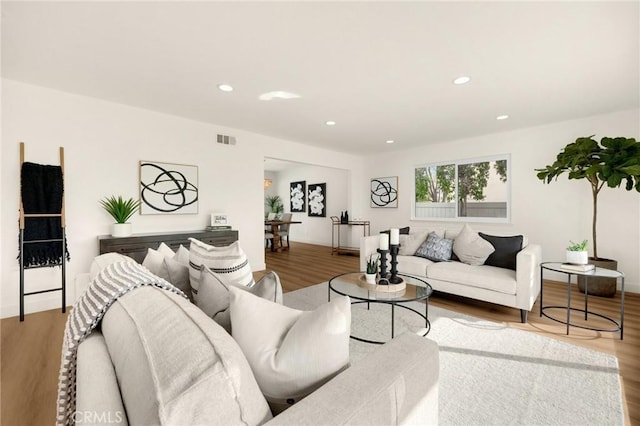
{"x":460,"y":190}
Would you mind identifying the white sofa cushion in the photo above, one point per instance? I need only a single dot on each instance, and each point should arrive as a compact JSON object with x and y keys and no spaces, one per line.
{"x":176,"y":366}
{"x":487,"y":277}
{"x":471,"y":248}
{"x":291,"y":352}
{"x":413,"y":265}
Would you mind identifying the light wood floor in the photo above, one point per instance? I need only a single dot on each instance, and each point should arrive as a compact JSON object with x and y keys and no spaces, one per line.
{"x":30,"y":351}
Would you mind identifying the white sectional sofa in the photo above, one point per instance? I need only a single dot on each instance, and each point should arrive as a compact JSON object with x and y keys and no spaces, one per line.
{"x":517,"y":288}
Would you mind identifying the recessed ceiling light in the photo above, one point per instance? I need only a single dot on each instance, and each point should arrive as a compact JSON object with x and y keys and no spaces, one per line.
{"x":330,"y":123}
{"x":278,"y":94}
{"x":502,"y":117}
{"x":462,"y":80}
{"x":225,"y":87}
{"x":390,"y":141}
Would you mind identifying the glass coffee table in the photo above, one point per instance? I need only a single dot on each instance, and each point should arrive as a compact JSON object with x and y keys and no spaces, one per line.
{"x":352,"y":284}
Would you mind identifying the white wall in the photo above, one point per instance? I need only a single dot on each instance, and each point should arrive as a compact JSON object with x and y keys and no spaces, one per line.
{"x":103,"y":144}
{"x":550,"y":215}
{"x":315,"y":230}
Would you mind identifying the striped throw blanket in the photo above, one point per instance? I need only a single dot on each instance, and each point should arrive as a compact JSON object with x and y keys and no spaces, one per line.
{"x":112,"y":282}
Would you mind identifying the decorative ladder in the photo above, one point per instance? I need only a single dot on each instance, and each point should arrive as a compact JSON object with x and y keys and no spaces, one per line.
{"x":62,"y":241}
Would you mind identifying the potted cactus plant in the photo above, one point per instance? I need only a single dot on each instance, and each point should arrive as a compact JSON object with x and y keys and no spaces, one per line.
{"x":121,"y":211}
{"x":372,"y":270}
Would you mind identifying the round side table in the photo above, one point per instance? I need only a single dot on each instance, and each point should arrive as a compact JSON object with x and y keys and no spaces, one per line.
{"x":618,"y":326}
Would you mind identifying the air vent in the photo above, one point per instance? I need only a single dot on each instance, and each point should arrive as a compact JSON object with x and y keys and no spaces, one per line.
{"x":226,"y":140}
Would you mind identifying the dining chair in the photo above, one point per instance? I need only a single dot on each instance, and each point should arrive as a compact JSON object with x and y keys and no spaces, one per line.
{"x":283,"y":231}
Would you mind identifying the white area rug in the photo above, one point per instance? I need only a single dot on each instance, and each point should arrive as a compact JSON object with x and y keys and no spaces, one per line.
{"x":494,"y":375}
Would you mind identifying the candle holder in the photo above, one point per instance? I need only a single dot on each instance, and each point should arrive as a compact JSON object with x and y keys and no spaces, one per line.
{"x":394,"y":248}
{"x":383,"y":267}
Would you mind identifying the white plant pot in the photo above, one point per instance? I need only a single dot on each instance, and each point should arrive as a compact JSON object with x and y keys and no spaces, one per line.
{"x":121,"y":229}
{"x":371,"y":278}
{"x":577,"y":257}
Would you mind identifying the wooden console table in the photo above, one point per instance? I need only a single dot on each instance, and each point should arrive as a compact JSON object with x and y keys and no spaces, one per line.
{"x":336,"y":225}
{"x":136,"y":245}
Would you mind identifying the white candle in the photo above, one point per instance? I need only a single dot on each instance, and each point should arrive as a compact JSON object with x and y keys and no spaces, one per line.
{"x":384,"y":241}
{"x":395,"y":236}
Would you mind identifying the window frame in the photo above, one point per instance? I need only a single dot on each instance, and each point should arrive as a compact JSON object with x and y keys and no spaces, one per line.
{"x":457,"y":163}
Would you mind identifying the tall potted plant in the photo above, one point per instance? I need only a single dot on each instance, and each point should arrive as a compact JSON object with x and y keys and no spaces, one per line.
{"x":611,"y":161}
{"x":121,"y":211}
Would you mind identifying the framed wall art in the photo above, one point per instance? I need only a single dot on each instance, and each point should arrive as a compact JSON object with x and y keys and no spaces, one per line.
{"x":167,"y":188}
{"x":317,"y":199}
{"x":384,"y":192}
{"x":298,"y":196}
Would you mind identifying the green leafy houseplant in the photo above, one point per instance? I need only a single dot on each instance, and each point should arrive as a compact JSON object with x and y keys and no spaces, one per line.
{"x":274,"y":203}
{"x":612,"y":161}
{"x":120,"y":209}
{"x":577,"y":246}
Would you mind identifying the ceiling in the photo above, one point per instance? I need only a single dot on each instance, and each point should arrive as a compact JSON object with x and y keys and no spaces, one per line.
{"x":381,"y":70}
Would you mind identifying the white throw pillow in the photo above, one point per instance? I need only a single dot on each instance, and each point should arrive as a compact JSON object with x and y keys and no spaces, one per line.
{"x":163,"y":263}
{"x":166,"y":250}
{"x":213,"y":296}
{"x":102,"y":261}
{"x":471,"y":248}
{"x":410,"y":243}
{"x":229,"y":262}
{"x":182,"y":255}
{"x":291,"y":352}
{"x":153,"y":260}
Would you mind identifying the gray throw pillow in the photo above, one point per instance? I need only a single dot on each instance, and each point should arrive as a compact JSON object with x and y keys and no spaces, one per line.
{"x":213,"y":297}
{"x":435,"y":248}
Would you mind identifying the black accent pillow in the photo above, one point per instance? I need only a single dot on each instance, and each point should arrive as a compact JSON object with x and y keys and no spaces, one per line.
{"x":506,"y":250}
{"x":403,"y":231}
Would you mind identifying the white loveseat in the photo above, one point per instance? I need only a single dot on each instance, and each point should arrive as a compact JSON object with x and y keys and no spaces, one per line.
{"x":517,"y":288}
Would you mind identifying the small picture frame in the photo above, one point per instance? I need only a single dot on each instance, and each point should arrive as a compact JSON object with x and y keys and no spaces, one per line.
{"x":219,"y":219}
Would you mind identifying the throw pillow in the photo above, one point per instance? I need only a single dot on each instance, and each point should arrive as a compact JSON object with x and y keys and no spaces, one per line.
{"x":230,"y":262}
{"x":182,"y":255}
{"x":177,"y":274}
{"x":409,"y":243}
{"x":506,"y":250}
{"x":163,"y":263}
{"x":403,"y":231}
{"x":153,"y":260}
{"x":166,"y":250}
{"x":435,"y":248}
{"x":291,"y":352}
{"x":471,"y":248}
{"x":213,"y":297}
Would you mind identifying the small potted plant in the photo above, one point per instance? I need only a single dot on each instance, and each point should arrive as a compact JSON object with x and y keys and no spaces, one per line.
{"x":121,"y":211}
{"x":372,"y":270}
{"x":577,"y":253}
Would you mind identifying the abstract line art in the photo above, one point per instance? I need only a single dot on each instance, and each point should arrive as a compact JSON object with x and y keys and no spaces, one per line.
{"x":384,"y":192}
{"x":168,"y":188}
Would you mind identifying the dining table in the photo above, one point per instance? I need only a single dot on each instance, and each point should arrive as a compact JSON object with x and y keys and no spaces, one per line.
{"x":275,"y":230}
